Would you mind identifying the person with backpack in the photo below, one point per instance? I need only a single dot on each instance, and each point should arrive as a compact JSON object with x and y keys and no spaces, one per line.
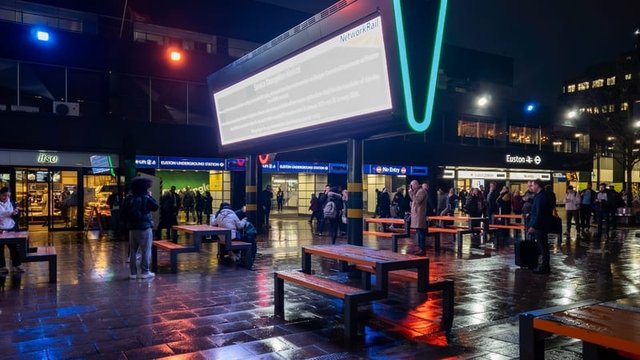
{"x":331,"y":211}
{"x":322,"y":200}
{"x":136,"y":211}
{"x":240,"y":230}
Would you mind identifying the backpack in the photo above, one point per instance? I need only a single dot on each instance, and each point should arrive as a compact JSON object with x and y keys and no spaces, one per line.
{"x":329,"y":211}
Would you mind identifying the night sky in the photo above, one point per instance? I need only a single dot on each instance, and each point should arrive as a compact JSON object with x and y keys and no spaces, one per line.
{"x":549,"y":40}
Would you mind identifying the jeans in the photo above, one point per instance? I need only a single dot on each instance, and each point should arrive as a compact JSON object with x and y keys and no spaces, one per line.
{"x":13,"y":253}
{"x":333,"y":228}
{"x":603,"y":216}
{"x":142,"y":239}
{"x":422,"y":238}
{"x":572,"y":215}
{"x":585,"y":216}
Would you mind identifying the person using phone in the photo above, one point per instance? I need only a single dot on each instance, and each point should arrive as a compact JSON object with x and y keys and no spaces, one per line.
{"x":8,"y":211}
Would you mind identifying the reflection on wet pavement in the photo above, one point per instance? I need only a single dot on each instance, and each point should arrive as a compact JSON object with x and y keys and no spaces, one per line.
{"x":210,"y":310}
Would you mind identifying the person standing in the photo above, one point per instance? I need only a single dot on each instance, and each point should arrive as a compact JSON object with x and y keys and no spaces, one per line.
{"x":314,"y":206}
{"x":208,"y":206}
{"x":280,"y":198}
{"x":137,"y":208}
{"x":265,"y":201}
{"x":113,"y":201}
{"x":463,"y":198}
{"x":492,"y":205}
{"x":322,"y":200}
{"x":8,"y":214}
{"x":587,"y":200}
{"x":399,"y":203}
{"x":188,"y":202}
{"x":602,"y":209}
{"x":418,"y":196}
{"x":169,"y":207}
{"x":572,"y":204}
{"x":384,"y":204}
{"x":199,"y":207}
{"x":539,"y":224}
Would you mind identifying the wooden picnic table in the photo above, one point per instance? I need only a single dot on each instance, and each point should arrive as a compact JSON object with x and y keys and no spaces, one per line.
{"x":404,"y":232}
{"x":199,"y":232}
{"x":459,"y":231}
{"x":383,"y":261}
{"x":604,"y":328}
{"x":388,"y":221}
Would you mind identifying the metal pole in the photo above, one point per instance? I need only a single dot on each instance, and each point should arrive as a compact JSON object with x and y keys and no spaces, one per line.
{"x":251,"y":189}
{"x":354,"y":187}
{"x":124,"y":12}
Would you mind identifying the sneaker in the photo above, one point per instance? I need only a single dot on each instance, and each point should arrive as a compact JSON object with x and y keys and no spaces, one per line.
{"x":18,"y":269}
{"x":4,"y":270}
{"x":133,"y":277}
{"x":148,"y":275}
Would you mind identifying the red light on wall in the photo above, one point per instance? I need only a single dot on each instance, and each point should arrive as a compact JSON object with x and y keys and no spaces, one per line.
{"x":175,"y":55}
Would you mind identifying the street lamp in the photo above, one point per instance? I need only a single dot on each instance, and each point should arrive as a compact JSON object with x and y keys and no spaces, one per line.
{"x":483,"y":101}
{"x":572,"y":114}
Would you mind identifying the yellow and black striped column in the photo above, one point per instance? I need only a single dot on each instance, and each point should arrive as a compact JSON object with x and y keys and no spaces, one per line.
{"x":354,"y":187}
{"x":251,"y":189}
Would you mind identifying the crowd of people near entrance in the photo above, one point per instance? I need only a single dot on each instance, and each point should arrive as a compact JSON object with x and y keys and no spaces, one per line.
{"x":537,"y":205}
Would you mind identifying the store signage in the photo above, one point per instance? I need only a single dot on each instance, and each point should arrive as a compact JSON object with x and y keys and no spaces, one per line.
{"x":529,"y":176}
{"x":469,"y":174}
{"x":44,"y":158}
{"x":449,"y":174}
{"x":396,"y":170}
{"x":146,"y":162}
{"x":527,"y":159}
{"x":302,"y":167}
{"x":337,"y":168}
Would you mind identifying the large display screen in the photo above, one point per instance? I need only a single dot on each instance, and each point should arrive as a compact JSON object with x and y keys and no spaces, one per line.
{"x":342,"y":77}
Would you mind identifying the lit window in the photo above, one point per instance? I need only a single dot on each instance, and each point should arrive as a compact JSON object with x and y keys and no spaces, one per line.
{"x":605,"y":109}
{"x":523,"y":135}
{"x":571,"y":88}
{"x":583,"y":86}
{"x":589,"y":111}
{"x":611,"y":81}
{"x":612,"y":108}
{"x":627,"y":76}
{"x":476,"y":129}
{"x":624,"y":106}
{"x":597,"y":83}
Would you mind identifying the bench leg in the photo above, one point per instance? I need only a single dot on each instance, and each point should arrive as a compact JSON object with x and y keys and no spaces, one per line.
{"x":366,"y":280}
{"x":154,"y":259}
{"x":174,"y":261}
{"x":531,"y":342}
{"x":447,"y":306}
{"x":53,"y":269}
{"x":459,"y":242}
{"x":594,"y":352}
{"x":436,"y":240}
{"x":278,"y":296}
{"x":394,"y":243}
{"x":350,"y":324}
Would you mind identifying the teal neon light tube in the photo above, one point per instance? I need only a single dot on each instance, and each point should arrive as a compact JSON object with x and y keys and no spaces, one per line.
{"x":414,"y":123}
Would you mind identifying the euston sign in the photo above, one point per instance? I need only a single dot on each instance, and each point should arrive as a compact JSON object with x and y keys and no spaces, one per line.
{"x":515,"y":159}
{"x":44,"y":158}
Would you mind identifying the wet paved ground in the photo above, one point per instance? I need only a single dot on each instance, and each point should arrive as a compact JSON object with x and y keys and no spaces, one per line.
{"x":214,"y":311}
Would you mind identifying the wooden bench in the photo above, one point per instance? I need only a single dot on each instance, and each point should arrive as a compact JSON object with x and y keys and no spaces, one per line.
{"x":444,"y":285}
{"x":456,"y":232}
{"x":45,"y":253}
{"x":394,"y":236}
{"x":173,"y":248}
{"x":607,"y":330}
{"x":235,"y":245}
{"x":352,"y":296}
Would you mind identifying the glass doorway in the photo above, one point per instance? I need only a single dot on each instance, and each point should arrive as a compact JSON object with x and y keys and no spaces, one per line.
{"x":48,"y":198}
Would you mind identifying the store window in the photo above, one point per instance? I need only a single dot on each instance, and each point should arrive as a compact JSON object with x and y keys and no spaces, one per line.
{"x":611,"y":81}
{"x":476,"y":129}
{"x":97,"y":189}
{"x":524,"y":135}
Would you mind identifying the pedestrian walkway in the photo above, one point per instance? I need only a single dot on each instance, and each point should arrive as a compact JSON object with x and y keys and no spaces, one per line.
{"x":208,"y":310}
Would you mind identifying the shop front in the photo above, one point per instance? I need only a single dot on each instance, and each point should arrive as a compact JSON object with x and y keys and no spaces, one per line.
{"x":58,"y":190}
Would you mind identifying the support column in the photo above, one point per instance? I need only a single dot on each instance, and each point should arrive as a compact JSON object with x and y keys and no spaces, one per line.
{"x":354,"y":187}
{"x":251,"y":189}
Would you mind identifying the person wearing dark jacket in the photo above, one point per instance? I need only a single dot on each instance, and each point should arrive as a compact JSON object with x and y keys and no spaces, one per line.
{"x":199,"y":207}
{"x":492,"y":205}
{"x":587,"y":200}
{"x":208,"y":206}
{"x":539,"y":224}
{"x":265,"y":202}
{"x":137,"y":208}
{"x":169,"y":206}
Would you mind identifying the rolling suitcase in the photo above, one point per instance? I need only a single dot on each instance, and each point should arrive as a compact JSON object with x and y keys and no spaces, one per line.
{"x":526,"y":253}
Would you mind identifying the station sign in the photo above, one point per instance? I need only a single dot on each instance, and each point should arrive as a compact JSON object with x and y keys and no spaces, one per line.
{"x":529,"y":176}
{"x":478,"y":174}
{"x":531,"y":159}
{"x":396,"y":170}
{"x":179,"y":163}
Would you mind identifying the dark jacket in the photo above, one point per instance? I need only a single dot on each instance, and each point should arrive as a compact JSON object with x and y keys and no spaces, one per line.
{"x":265,"y":199}
{"x":208,"y":206}
{"x":492,"y":205}
{"x":199,"y":202}
{"x":541,"y":214}
{"x":136,"y":211}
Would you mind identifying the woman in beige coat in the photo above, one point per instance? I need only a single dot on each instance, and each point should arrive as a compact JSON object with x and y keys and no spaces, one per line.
{"x":418,"y":195}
